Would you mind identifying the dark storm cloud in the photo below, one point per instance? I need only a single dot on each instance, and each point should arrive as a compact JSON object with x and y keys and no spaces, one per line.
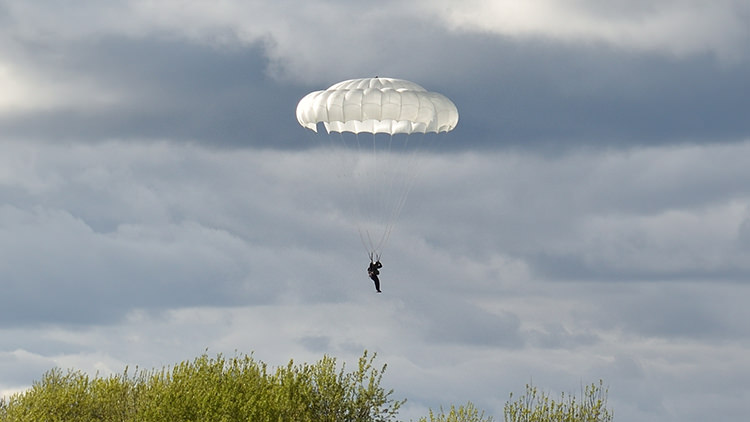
{"x":511,"y":92}
{"x":165,"y":89}
{"x":526,"y":93}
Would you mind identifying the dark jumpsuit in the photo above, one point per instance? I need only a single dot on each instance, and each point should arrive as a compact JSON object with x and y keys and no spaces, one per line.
{"x":373,"y":272}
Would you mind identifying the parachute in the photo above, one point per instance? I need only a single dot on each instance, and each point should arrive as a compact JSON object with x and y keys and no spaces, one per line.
{"x":376,"y":127}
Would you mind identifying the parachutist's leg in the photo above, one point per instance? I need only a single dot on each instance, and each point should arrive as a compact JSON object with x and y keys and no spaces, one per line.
{"x":377,"y":282}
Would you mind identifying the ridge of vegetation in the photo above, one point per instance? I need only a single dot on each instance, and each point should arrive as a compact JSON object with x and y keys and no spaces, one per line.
{"x":240,"y":388}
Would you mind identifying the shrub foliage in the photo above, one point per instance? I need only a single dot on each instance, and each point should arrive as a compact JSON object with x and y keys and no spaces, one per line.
{"x":242,"y":389}
{"x":463,"y":413}
{"x":211,"y":389}
{"x":537,"y":406}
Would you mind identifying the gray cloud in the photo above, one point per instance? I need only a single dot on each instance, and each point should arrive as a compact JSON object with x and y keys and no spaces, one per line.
{"x":557,"y":336}
{"x":454,"y":321}
{"x":91,"y":233}
{"x":160,"y":89}
{"x":18,"y":366}
{"x":657,"y":213}
{"x":108,"y":221}
{"x":511,"y":91}
{"x":542,"y":94}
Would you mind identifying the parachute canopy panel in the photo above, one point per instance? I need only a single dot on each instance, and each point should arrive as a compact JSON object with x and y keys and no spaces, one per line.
{"x":377,"y":105}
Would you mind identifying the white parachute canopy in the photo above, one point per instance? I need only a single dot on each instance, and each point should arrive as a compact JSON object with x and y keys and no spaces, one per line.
{"x":376,"y":128}
{"x":377,"y":105}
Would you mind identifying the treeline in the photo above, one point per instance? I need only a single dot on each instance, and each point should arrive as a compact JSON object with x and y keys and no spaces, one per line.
{"x":241,"y":388}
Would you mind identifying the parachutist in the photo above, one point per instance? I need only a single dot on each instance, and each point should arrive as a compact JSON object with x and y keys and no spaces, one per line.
{"x":373,"y":271}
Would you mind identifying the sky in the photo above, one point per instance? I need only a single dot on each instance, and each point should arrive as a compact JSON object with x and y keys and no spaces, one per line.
{"x":588,"y":218}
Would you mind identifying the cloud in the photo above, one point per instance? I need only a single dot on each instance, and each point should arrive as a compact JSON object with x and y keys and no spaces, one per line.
{"x":58,"y":269}
{"x":670,"y":27}
{"x":673,"y":27}
{"x":17,"y":367}
{"x":651,"y":213}
{"x":229,"y":75}
{"x":96,"y":223}
{"x":148,"y":89}
{"x":86,"y":228}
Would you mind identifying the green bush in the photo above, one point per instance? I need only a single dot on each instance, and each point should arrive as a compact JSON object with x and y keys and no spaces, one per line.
{"x":242,"y":389}
{"x":210,"y":389}
{"x":463,"y":413}
{"x":537,"y":406}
